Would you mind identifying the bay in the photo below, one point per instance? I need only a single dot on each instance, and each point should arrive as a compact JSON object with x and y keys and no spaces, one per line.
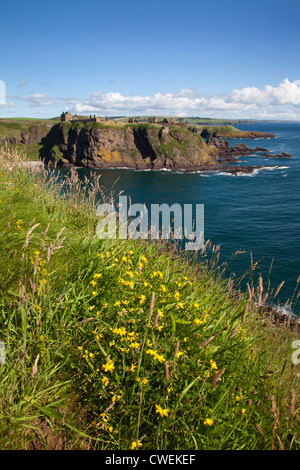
{"x":257,"y":214}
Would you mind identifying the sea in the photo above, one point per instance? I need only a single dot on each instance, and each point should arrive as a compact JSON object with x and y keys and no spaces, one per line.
{"x":257,"y":215}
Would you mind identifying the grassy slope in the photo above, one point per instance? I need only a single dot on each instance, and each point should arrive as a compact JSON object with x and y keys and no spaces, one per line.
{"x":116,"y":342}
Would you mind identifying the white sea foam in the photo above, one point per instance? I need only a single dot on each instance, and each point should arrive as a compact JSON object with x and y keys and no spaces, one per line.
{"x":286,"y":310}
{"x":253,"y":173}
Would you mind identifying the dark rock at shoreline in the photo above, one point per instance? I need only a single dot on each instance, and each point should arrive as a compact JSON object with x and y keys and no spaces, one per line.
{"x":278,"y":155}
{"x":244,"y":169}
{"x":230,"y":154}
{"x":240,"y":150}
{"x":236,"y":169}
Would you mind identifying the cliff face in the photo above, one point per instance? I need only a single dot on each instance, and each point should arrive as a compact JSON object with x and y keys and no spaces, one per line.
{"x":136,"y":146}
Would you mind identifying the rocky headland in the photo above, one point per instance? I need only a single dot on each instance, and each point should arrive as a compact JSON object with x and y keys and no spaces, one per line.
{"x":141,"y":146}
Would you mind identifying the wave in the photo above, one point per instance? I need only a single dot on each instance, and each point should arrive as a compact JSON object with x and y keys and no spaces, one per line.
{"x":242,"y":173}
{"x":286,"y":310}
{"x":204,"y":174}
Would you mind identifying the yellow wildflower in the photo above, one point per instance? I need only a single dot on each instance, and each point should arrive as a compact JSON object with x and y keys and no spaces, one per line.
{"x":163,"y":412}
{"x":136,"y":444}
{"x":120,"y":331}
{"x":209,"y":421}
{"x":109,"y":366}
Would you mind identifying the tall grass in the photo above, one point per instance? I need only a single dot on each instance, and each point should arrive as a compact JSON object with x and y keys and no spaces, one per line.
{"x":124,"y":344}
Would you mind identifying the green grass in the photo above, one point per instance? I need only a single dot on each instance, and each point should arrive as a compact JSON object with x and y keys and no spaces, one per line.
{"x":115,"y":342}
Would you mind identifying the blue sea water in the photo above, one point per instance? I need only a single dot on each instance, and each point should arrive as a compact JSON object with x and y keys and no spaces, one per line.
{"x":258,"y":213}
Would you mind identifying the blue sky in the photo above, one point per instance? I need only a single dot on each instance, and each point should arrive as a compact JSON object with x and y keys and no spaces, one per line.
{"x":231,"y":59}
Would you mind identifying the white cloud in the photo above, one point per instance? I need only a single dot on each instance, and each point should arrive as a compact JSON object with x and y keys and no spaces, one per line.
{"x":285,"y":93}
{"x":281,"y":101}
{"x":38,"y":99}
{"x":34,"y":99}
{"x":271,"y":102}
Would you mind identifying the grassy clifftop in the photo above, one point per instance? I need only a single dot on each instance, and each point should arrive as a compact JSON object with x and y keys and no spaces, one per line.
{"x":36,"y":137}
{"x":124,"y":344}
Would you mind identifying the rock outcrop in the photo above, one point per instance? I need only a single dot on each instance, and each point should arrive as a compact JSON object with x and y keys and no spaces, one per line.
{"x":35,"y":134}
{"x":277,"y":155}
{"x":136,"y":146}
{"x":230,"y":154}
{"x":139,"y":146}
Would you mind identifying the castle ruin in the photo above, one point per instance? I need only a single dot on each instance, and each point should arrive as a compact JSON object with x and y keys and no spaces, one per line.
{"x":67,"y":117}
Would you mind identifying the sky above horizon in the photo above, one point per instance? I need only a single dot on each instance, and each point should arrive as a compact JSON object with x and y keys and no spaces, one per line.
{"x":225,"y":59}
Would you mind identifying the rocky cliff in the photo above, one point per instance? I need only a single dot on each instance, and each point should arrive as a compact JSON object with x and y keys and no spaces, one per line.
{"x":137,"y":146}
{"x":133,"y":146}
